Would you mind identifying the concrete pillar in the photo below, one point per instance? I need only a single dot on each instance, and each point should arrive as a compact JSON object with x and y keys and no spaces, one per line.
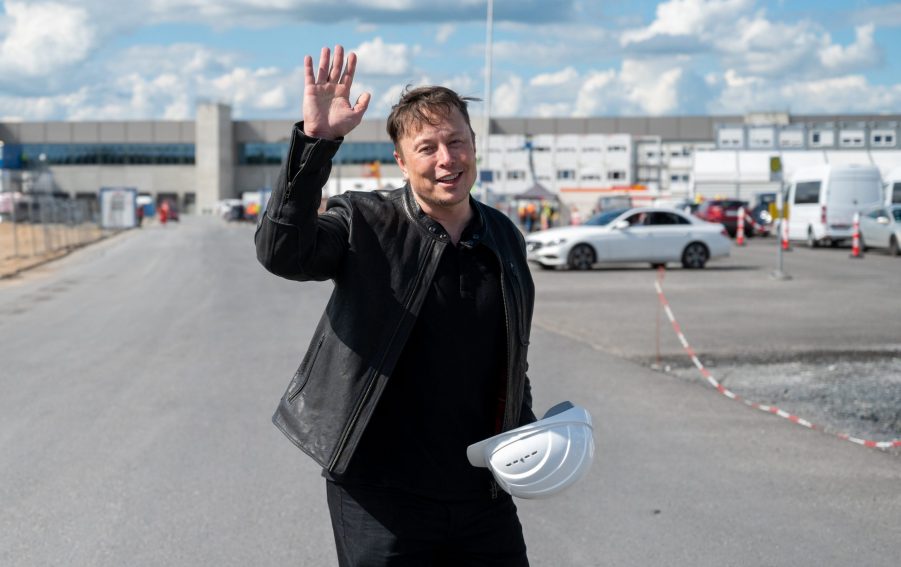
{"x":214,"y":156}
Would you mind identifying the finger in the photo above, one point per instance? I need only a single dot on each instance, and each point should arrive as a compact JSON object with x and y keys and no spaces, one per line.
{"x":323,"y":66}
{"x":362,"y":103}
{"x":308,"y":78}
{"x":335,"y":71}
{"x":348,"y":78}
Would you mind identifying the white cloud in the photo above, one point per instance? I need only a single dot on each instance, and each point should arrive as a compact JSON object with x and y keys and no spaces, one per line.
{"x":444,"y":32}
{"x":561,"y":77}
{"x":685,"y":22}
{"x":552,"y":110}
{"x":846,"y":94}
{"x":507,"y":97}
{"x":863,"y":53}
{"x":379,"y":58}
{"x":598,"y":94}
{"x":273,"y":99}
{"x":44,"y":38}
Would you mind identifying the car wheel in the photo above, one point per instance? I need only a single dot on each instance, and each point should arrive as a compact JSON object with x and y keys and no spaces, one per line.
{"x":811,"y":239}
{"x":893,"y":248}
{"x":581,"y":257}
{"x":695,"y":256}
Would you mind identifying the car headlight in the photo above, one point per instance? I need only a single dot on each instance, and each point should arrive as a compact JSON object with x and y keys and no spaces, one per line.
{"x":555,"y":242}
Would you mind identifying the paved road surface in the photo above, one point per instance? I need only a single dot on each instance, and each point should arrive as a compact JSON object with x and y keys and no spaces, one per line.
{"x":139,"y":374}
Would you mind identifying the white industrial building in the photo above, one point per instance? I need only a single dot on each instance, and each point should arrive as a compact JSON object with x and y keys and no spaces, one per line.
{"x":201,"y":162}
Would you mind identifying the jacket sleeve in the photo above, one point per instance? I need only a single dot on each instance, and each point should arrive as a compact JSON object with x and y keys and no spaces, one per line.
{"x":526,"y":414}
{"x":292,"y":239}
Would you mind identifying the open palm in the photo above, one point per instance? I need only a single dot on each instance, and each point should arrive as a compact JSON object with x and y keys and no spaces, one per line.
{"x":327,"y":112}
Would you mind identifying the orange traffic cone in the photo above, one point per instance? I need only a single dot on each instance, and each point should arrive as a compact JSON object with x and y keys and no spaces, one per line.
{"x":856,"y":251}
{"x":740,"y":232}
{"x":786,"y":246}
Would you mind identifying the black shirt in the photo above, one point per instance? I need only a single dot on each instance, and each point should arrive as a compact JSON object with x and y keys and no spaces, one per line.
{"x":443,"y":393}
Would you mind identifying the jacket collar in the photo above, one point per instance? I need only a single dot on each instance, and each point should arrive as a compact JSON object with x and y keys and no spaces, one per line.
{"x":474,"y":233}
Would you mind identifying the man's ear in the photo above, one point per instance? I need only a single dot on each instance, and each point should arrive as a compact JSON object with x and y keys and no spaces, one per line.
{"x":400,"y":163}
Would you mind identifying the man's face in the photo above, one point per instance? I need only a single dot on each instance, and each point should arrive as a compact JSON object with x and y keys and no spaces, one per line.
{"x":440,"y":162}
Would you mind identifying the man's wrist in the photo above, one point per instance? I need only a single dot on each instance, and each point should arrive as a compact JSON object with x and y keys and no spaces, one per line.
{"x":319,"y":133}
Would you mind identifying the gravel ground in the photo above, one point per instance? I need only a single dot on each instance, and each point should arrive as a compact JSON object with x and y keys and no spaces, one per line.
{"x":857,"y":393}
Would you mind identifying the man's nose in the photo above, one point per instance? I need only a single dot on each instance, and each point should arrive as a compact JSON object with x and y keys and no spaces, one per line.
{"x":444,"y":154}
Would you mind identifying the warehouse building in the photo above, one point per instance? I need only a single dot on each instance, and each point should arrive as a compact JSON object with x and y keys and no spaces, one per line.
{"x":199,"y":163}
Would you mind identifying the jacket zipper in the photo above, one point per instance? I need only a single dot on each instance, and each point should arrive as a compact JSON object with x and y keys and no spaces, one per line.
{"x":371,"y":380}
{"x":509,"y":377}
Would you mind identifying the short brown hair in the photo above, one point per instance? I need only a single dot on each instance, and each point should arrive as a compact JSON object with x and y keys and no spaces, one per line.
{"x":425,"y":104}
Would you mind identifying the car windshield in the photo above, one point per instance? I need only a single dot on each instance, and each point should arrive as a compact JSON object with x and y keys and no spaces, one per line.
{"x":604,"y":218}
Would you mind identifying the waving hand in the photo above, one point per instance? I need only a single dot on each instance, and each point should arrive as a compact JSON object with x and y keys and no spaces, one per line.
{"x":327,"y":112}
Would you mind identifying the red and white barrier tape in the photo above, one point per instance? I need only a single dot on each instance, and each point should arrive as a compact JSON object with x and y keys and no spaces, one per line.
{"x":749,"y":220}
{"x":762,"y":407}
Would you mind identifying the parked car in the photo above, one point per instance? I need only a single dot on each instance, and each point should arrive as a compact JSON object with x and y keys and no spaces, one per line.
{"x":656,"y":235}
{"x":761,"y":213}
{"x":881,"y":228}
{"x":822,"y":201}
{"x":893,"y":187}
{"x":725,"y":212}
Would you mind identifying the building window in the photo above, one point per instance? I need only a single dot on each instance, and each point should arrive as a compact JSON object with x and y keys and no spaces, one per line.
{"x":616,"y":175}
{"x":820,"y":139}
{"x":272,"y":153}
{"x":791,"y":139}
{"x":516,"y":174}
{"x":616,"y":148}
{"x":566,"y":174}
{"x":29,"y":155}
{"x":883,"y":139}
{"x":852,"y":139}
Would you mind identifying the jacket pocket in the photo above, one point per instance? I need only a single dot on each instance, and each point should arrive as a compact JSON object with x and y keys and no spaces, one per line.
{"x":303,"y":371}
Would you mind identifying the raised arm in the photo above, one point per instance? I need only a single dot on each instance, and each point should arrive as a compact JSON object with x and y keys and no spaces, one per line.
{"x":327,"y":112}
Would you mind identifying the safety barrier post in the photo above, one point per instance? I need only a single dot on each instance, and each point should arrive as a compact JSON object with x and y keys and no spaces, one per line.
{"x":779,"y":273}
{"x":740,"y":231}
{"x":783,"y":224}
{"x":856,"y":249}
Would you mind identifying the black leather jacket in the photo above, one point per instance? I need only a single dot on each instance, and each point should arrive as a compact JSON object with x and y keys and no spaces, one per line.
{"x":381,"y":251}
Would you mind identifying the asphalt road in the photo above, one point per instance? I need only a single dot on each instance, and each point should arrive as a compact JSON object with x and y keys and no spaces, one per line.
{"x":139,"y":376}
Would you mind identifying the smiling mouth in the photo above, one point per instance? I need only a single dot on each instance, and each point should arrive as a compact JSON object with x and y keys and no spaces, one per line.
{"x":449,"y":178}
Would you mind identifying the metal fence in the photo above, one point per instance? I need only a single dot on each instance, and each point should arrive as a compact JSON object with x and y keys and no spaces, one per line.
{"x":37,"y":227}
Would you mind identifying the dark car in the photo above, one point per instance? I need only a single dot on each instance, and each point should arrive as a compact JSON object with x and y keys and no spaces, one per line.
{"x":725,"y":212}
{"x":762,"y":211}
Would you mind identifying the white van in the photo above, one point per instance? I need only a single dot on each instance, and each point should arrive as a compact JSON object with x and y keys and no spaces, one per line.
{"x":822,"y":201}
{"x":893,"y":187}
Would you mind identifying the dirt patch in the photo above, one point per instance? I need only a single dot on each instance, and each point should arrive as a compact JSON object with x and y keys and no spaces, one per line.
{"x":841,"y":393}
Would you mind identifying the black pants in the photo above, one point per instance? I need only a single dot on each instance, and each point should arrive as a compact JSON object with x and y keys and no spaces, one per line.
{"x":375,"y":528}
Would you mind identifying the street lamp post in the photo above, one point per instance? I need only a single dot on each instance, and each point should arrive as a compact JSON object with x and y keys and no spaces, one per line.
{"x":486,"y":126}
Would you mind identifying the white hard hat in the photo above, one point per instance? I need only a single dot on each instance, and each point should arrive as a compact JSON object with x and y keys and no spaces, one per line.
{"x":542,"y":458}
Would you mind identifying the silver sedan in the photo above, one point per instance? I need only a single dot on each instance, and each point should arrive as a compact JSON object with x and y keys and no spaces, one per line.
{"x":647,"y":234}
{"x":881,"y":228}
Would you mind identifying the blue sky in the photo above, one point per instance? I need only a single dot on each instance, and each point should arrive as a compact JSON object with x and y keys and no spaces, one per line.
{"x":96,"y":60}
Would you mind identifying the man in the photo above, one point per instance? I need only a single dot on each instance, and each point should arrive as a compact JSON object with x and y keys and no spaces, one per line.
{"x":422,"y":347}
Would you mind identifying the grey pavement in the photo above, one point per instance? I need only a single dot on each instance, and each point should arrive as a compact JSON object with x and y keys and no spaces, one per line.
{"x":139,"y":376}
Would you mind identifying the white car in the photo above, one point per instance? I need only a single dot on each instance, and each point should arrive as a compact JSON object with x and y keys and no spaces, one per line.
{"x":648,"y":234}
{"x":881,"y":228}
